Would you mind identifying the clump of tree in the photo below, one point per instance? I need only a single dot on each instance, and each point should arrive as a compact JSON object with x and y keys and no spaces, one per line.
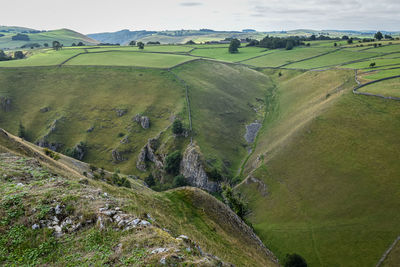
{"x":179,"y":181}
{"x":57,"y":45}
{"x":387,"y":36}
{"x":177,"y":127}
{"x":172,"y":162}
{"x":234,"y":46}
{"x":278,"y":42}
{"x":294,"y":260}
{"x":378,"y":36}
{"x":18,"y":55}
{"x":132,"y":43}
{"x":140,"y":45}
{"x":235,"y":201}
{"x":31,"y":45}
{"x":20,"y":37}
{"x":190,"y":42}
{"x":153,"y":43}
{"x":3,"y":56}
{"x":252,"y":42}
{"x":80,"y":44}
{"x":350,"y":40}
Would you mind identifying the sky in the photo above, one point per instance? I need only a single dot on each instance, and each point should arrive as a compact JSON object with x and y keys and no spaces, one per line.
{"x":92,"y":16}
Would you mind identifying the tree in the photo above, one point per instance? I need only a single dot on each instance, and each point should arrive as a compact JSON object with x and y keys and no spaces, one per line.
{"x":140,"y":45}
{"x":18,"y":55}
{"x":294,"y":260}
{"x":345,"y":37}
{"x":313,"y":37}
{"x":56,"y":45}
{"x":235,"y":201}
{"x":190,"y":42}
{"x":179,"y":180}
{"x":3,"y":56}
{"x":372,"y":65}
{"x":172,"y":162}
{"x":378,"y":36}
{"x":73,"y":44}
{"x":234,"y":45}
{"x":350,"y":41}
{"x":387,"y":36}
{"x":289,"y":45}
{"x":81,"y":44}
{"x":21,"y":130}
{"x":335,"y":44}
{"x":177,"y":127}
{"x":46,"y":45}
{"x":132,"y":43}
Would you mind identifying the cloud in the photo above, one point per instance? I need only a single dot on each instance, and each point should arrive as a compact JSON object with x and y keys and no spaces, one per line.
{"x":190,"y":4}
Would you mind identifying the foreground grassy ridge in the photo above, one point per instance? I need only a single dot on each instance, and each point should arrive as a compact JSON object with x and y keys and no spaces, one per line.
{"x":47,"y":57}
{"x":129,"y":59}
{"x":47,"y":182}
{"x":281,"y":57}
{"x":333,"y":191}
{"x":64,"y":36}
{"x":84,"y":97}
{"x":223,"y":100}
{"x":385,"y":88}
{"x":223,"y":53}
{"x":332,"y":59}
{"x":298,"y":98}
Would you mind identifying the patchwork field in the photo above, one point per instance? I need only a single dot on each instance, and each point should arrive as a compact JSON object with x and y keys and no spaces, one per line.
{"x":223,"y":53}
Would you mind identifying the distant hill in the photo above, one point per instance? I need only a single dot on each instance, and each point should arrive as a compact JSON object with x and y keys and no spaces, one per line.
{"x":120,"y":37}
{"x":64,"y":36}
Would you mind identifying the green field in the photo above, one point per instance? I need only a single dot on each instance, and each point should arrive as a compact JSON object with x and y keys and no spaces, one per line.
{"x":147,"y":48}
{"x":129,"y":59}
{"x":380,"y":74}
{"x":332,"y":59}
{"x":281,"y":57}
{"x":333,"y":189}
{"x":386,"y":49}
{"x":386,"y":88}
{"x":46,"y":57}
{"x":379,"y":63}
{"x":223,"y":53}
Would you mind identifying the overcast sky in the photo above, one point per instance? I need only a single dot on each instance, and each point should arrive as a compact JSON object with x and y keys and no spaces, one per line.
{"x":91,"y":16}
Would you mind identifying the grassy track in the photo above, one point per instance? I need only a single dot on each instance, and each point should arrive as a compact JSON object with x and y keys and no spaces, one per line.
{"x":150,"y":60}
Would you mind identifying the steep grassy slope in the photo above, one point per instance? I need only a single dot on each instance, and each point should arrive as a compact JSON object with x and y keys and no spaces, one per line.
{"x":224,"y":99}
{"x":332,"y":190}
{"x":79,"y":98}
{"x":64,"y":36}
{"x":44,"y":183}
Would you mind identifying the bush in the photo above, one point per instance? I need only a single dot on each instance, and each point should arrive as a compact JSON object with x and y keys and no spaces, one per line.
{"x":149,"y":180}
{"x":177,"y":127}
{"x":235,"y":201}
{"x":51,"y":153}
{"x":18,"y":55}
{"x":179,"y":180}
{"x":172,"y":162}
{"x":294,"y":260}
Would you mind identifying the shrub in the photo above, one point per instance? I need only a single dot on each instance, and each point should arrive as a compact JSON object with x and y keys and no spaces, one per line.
{"x":179,"y":180}
{"x":177,"y":127}
{"x":149,"y":180}
{"x":235,"y":201}
{"x":294,"y":260}
{"x":18,"y":55}
{"x":372,"y":65}
{"x":51,"y":153}
{"x":172,"y":162}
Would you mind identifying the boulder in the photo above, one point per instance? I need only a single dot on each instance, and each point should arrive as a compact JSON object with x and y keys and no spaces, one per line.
{"x":117,"y":156}
{"x":144,"y":121}
{"x":121,"y":112}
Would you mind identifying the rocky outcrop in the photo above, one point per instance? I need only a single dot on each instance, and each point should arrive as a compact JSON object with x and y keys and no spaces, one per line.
{"x":50,"y":145}
{"x":251,"y":131}
{"x":193,"y":170}
{"x":80,"y":151}
{"x":144,"y":121}
{"x":148,"y":153}
{"x":117,"y":155}
{"x":5,"y":103}
{"x":121,"y":112}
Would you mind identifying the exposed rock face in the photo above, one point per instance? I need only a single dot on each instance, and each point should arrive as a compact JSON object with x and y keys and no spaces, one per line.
{"x":143,"y":120}
{"x":5,"y":103}
{"x":251,"y":131}
{"x":193,"y":170}
{"x":53,"y":145}
{"x":148,"y":153}
{"x":117,"y":156}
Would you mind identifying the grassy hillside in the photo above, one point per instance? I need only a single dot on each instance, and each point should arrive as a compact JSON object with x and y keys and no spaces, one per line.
{"x":37,"y":188}
{"x":80,"y":98}
{"x":64,"y":36}
{"x":332,"y":189}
